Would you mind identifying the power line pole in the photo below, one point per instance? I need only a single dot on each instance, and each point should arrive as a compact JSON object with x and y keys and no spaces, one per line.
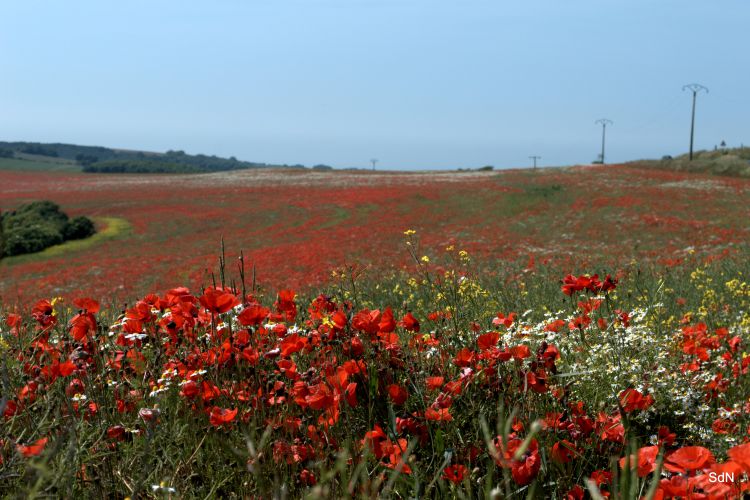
{"x":535,"y":158}
{"x":604,"y":122}
{"x":694,"y":88}
{"x":374,"y":161}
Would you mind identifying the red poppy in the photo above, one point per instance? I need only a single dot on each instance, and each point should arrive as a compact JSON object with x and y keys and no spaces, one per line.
{"x":631,"y":400}
{"x":575,"y":493}
{"x":252,"y":315}
{"x":87,"y":305}
{"x":218,"y":300}
{"x":387,"y":323}
{"x":410,"y":323}
{"x":397,"y":394}
{"x":434,"y":383}
{"x":645,"y":462}
{"x":463,"y":358}
{"x":307,"y":478}
{"x":488,"y":340}
{"x":563,"y":451}
{"x":688,"y":458}
{"x":34,"y":449}
{"x":221,"y":416}
{"x":439,"y":415}
{"x":502,"y":319}
{"x":455,"y":473}
{"x":741,"y":455}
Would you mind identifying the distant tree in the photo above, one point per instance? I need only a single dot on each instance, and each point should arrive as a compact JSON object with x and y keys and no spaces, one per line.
{"x":85,"y":159}
{"x":37,"y":149}
{"x":486,"y":168}
{"x":322,"y":167}
{"x":6,"y":153}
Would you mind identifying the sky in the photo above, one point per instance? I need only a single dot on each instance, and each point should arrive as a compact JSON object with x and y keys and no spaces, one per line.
{"x":417,"y":84}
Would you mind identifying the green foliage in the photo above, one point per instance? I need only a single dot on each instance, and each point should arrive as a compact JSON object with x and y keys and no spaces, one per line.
{"x":106,"y":160}
{"x":6,"y":153}
{"x":139,"y":167}
{"x":38,"y":149}
{"x":38,"y":225}
{"x":78,"y":228}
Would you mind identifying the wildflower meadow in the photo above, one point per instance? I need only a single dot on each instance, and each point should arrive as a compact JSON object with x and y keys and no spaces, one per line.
{"x":483,"y":361}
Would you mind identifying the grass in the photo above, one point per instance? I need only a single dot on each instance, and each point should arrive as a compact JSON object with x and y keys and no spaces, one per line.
{"x":37,"y":165}
{"x":148,"y":436}
{"x":730,"y":162}
{"x":113,"y":227}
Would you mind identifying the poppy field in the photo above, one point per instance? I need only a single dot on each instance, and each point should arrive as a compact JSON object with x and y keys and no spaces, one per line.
{"x":562,"y":333}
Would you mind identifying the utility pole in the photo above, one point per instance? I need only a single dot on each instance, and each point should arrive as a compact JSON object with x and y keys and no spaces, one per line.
{"x":603,"y":122}
{"x":694,"y":88}
{"x":535,"y":158}
{"x":374,"y":161}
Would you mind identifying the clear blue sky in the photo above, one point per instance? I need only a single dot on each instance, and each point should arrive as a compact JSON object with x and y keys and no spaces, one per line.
{"x":415,"y":83}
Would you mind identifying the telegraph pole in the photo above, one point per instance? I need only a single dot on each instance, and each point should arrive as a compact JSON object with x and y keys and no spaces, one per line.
{"x":603,"y":122}
{"x":374,"y":161}
{"x":535,"y":158}
{"x":694,"y":88}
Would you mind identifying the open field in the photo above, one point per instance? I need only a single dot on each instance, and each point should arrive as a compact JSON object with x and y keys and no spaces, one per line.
{"x":430,"y":335}
{"x":34,"y":164}
{"x":296,"y":227}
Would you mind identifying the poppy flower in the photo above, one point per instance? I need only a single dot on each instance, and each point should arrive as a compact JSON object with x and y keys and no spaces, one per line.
{"x":397,"y":394}
{"x":631,"y":400}
{"x":563,"y":451}
{"x":455,"y":473}
{"x":439,"y":415}
{"x":434,"y":383}
{"x":387,"y":323}
{"x":87,"y":305}
{"x":410,"y":323}
{"x":645,"y":462}
{"x":307,"y":478}
{"x":741,"y":455}
{"x":487,"y":340}
{"x":575,"y":493}
{"x":221,"y":416}
{"x":34,"y":449}
{"x":502,"y":319}
{"x":217,"y":300}
{"x":688,"y":458}
{"x":252,"y":315}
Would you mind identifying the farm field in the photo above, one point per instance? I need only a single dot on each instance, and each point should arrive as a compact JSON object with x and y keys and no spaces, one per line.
{"x":297,"y":227}
{"x":558,"y":333}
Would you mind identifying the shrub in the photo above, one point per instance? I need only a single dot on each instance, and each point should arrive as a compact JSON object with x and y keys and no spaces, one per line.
{"x":38,"y":225}
{"x":29,"y":239}
{"x":78,"y":228}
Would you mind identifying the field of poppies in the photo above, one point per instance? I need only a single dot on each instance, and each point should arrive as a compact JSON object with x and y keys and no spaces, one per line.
{"x":564,"y":333}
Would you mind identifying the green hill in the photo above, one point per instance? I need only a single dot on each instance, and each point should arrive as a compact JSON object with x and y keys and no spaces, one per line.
{"x":97,"y":159}
{"x":725,"y":161}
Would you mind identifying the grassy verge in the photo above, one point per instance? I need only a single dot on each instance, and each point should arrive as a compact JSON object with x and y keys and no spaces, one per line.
{"x":114,"y":227}
{"x":37,"y":165}
{"x":730,"y":162}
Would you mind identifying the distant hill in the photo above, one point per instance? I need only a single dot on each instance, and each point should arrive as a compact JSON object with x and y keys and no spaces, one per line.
{"x":724,"y":161}
{"x":97,"y":159}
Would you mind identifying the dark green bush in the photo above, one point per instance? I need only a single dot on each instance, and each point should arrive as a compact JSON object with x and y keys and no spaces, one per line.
{"x":78,"y":228}
{"x":38,"y":225}
{"x":30,"y":239}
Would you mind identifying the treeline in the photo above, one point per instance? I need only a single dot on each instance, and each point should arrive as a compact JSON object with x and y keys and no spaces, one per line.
{"x":106,"y":160}
{"x":140,"y":167}
{"x":38,"y":225}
